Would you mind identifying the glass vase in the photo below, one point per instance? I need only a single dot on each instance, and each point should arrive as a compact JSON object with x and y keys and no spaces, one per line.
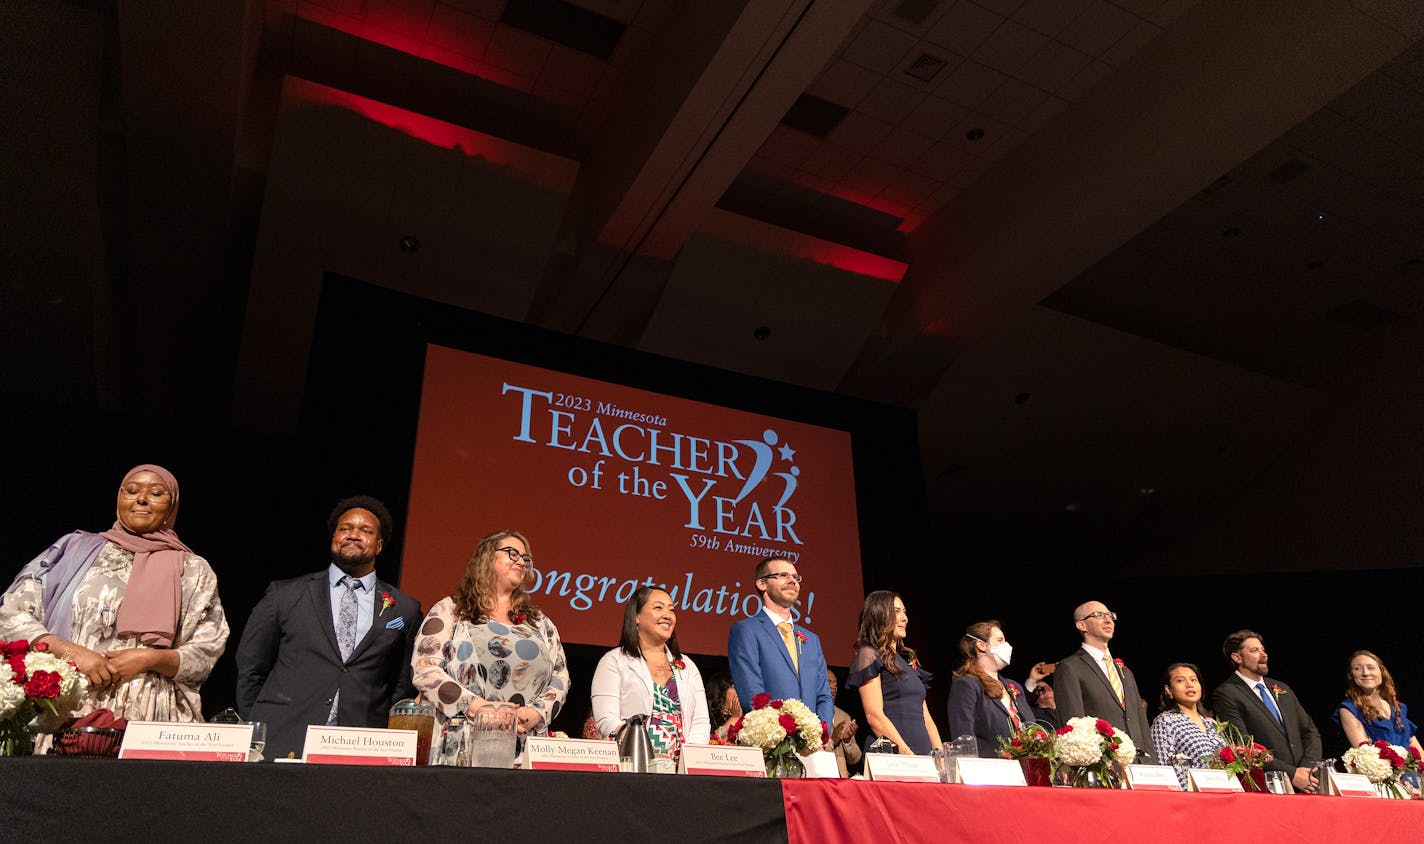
{"x":785,"y":766}
{"x":16,"y":739}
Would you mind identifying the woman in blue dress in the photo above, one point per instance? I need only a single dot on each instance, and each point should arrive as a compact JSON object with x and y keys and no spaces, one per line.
{"x":1371,"y":710}
{"x":891,"y":683}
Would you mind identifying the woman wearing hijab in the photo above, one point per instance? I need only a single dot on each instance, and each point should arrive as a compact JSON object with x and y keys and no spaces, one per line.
{"x":982,"y":703}
{"x":133,"y":608}
{"x":647,"y":674}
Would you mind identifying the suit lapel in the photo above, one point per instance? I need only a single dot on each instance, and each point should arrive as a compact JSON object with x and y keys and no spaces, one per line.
{"x":1265,"y":710}
{"x":378,"y":623}
{"x":1103,"y":678}
{"x":320,"y":590}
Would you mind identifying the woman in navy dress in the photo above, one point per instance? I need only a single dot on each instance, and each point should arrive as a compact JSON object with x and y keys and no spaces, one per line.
{"x":1371,"y":709}
{"x":887,"y":674}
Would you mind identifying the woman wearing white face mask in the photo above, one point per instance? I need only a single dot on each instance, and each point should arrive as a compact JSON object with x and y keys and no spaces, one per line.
{"x":982,"y":703}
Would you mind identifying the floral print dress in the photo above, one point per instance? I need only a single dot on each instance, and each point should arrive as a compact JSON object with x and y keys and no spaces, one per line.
{"x":457,"y":660}
{"x":199,"y":640}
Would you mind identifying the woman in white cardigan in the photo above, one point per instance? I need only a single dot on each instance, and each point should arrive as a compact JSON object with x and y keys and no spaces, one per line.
{"x":648,"y":675}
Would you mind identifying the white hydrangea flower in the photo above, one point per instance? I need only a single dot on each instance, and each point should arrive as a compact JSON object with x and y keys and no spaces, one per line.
{"x":1366,"y":760}
{"x":12,"y":695}
{"x":1083,"y":745}
{"x":1127,"y":751}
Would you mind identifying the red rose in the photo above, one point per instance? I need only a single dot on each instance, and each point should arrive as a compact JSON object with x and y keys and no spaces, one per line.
{"x":1414,"y":751}
{"x":1064,"y":730}
{"x":1104,"y":727}
{"x":825,"y":733}
{"x":40,"y":647}
{"x":733,"y":730}
{"x":43,"y":685}
{"x":17,"y":665}
{"x":1016,"y":742}
{"x":787,"y":723}
{"x":1227,"y":755}
{"x":760,"y":700}
{"x":18,"y":646}
{"x":776,"y":704}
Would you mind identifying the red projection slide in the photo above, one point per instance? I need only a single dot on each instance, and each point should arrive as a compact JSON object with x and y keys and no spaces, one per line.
{"x":617,"y":488}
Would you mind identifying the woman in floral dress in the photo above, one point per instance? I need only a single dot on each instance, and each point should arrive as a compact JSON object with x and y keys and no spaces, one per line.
{"x":488,"y":644}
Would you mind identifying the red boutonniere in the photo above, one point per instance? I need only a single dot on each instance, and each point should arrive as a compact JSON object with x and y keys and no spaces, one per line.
{"x":1121,"y":666}
{"x":1013,"y":691}
{"x":800,"y":637}
{"x":1277,"y":691}
{"x":386,"y":603}
{"x":521,"y":618}
{"x":679,"y":664}
{"x":911,"y":657}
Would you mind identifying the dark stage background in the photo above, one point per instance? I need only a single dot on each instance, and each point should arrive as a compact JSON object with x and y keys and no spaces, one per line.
{"x":255,"y":505}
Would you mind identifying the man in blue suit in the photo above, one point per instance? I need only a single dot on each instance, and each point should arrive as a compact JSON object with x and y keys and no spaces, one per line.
{"x":771,"y":654}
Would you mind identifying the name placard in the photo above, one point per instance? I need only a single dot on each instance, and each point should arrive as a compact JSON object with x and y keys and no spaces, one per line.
{"x":197,"y":742}
{"x":564,"y":754}
{"x":975,"y":771}
{"x":821,"y":765}
{"x":896,"y":767}
{"x":1351,"y":785}
{"x":721,"y":760}
{"x":1213,"y":781}
{"x":359,"y":746}
{"x":1152,"y":778}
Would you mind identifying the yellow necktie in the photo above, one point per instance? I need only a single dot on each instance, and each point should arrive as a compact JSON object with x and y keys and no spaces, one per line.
{"x":789,"y":638}
{"x":1114,"y":680}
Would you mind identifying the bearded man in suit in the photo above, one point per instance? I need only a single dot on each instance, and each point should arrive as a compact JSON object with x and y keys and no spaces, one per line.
{"x":1093,"y":682}
{"x":1269,"y":712}
{"x":332,"y":647}
{"x":771,"y":654}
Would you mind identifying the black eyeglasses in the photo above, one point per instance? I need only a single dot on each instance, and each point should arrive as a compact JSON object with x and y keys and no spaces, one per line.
{"x":776,"y":575}
{"x":1100,"y":614}
{"x":515,"y":555}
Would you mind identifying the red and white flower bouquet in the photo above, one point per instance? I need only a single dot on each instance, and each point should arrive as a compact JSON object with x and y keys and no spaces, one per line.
{"x":38,"y":692}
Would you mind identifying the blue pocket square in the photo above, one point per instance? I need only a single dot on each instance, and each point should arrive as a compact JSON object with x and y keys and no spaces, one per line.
{"x":397,"y":623}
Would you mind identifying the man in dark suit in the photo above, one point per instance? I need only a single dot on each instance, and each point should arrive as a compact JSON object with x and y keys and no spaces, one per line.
{"x":1269,"y":712}
{"x":331,"y":647}
{"x":771,"y":654}
{"x":1093,"y":682}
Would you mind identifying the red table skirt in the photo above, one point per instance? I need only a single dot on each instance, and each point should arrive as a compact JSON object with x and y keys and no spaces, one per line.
{"x":854,"y":810}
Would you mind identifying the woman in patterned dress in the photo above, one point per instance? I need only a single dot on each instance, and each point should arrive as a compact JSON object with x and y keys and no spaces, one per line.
{"x":648,"y":675}
{"x":488,"y":644}
{"x":1184,"y":735}
{"x":133,"y":608}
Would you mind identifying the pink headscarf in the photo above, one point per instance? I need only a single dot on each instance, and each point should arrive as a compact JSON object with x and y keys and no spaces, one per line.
{"x":154,"y":596}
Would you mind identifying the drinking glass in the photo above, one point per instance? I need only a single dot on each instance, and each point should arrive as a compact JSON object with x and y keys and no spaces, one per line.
{"x":455,"y":743}
{"x":259,"y":741}
{"x":1276,"y":782}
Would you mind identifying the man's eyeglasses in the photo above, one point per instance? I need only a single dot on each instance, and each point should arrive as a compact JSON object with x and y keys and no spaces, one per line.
{"x":1100,"y":614}
{"x":795,"y":578}
{"x":133,"y":491}
{"x":515,"y":555}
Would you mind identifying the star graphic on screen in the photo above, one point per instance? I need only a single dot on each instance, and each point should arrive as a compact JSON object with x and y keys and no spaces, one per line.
{"x":787,"y":452}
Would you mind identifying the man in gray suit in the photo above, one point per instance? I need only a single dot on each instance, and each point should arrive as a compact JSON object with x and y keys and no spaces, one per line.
{"x":1094,"y":682}
{"x":332,"y":647}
